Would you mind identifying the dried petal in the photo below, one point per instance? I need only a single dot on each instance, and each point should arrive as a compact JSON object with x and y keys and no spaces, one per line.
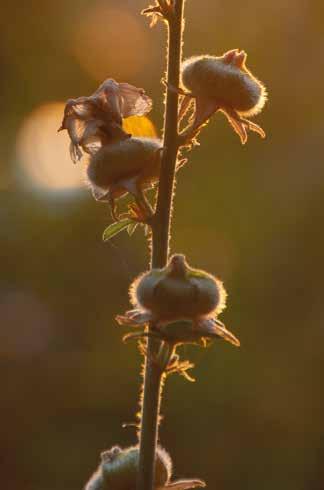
{"x":97,"y":120}
{"x":134,"y":102}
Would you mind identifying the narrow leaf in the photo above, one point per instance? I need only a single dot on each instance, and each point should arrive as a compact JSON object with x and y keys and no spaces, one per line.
{"x":115,"y":228}
{"x":131,"y":228}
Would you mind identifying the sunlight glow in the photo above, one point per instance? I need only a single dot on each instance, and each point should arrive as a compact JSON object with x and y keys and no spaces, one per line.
{"x":43,"y":154}
{"x":107,"y":49}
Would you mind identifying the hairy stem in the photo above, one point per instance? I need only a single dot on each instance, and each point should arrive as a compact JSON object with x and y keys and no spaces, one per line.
{"x":153,"y":376}
{"x":162,"y":219}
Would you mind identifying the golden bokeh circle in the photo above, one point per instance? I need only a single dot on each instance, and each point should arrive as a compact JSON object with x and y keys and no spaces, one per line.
{"x":110,"y":43}
{"x":43,"y":153}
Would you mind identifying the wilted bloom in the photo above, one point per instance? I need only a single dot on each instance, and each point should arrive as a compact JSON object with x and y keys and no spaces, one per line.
{"x":118,"y":471}
{"x":179,"y":292}
{"x":223,"y":84}
{"x":130,"y":165}
{"x":97,"y":120}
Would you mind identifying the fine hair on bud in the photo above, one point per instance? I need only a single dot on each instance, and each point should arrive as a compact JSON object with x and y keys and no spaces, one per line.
{"x":178,"y":291}
{"x":124,"y":164}
{"x":185,"y":298}
{"x":225,"y":79}
{"x":118,"y":469}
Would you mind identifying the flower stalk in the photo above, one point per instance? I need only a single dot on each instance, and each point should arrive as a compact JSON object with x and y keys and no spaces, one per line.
{"x":153,"y":376}
{"x":162,"y":218}
{"x":173,"y":303}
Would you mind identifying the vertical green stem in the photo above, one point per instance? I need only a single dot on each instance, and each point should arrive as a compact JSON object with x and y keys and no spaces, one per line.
{"x":153,"y":375}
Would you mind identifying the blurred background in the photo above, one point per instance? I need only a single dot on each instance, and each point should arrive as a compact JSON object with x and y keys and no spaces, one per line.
{"x":251,"y":215}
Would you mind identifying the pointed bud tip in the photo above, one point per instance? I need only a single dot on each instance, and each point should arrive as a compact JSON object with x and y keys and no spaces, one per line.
{"x":177,"y":259}
{"x":229,"y":56}
{"x":240,"y":59}
{"x":111,"y":454}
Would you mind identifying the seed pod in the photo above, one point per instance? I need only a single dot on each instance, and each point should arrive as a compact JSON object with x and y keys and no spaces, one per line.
{"x":118,"y":471}
{"x":179,"y":292}
{"x":223,"y":83}
{"x":131,"y":165}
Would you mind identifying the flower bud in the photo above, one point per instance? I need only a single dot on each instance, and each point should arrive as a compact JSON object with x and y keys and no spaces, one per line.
{"x":179,"y":292}
{"x":130,"y":165}
{"x":118,"y":471}
{"x":224,"y":83}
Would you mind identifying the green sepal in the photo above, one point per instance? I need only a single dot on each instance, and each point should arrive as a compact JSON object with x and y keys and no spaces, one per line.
{"x":131,"y":228}
{"x":116,"y":228}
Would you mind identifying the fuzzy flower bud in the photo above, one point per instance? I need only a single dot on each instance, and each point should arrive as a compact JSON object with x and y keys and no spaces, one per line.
{"x":178,"y":292}
{"x":130,"y":165}
{"x":223,"y":83}
{"x":97,"y":120}
{"x":118,"y":471}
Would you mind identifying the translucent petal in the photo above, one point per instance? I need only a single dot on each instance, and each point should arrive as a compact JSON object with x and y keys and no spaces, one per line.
{"x":134,"y":102}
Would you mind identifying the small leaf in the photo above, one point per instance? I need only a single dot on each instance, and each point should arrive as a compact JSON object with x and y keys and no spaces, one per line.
{"x":115,"y":228}
{"x":131,"y":228}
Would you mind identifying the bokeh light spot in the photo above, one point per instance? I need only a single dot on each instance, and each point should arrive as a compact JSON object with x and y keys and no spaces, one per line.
{"x":107,"y":48}
{"x":43,"y":154}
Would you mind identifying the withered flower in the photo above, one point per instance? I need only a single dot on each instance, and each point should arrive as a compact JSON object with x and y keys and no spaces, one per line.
{"x":118,"y":471}
{"x":223,"y":84}
{"x":97,"y":120}
{"x":130,"y":165}
{"x":179,"y":292}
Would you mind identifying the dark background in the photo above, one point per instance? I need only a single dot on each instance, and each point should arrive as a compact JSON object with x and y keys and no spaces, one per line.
{"x":251,"y":215}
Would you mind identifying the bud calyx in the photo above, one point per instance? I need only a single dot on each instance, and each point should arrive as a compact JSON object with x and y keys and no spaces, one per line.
{"x":179,"y":293}
{"x":118,"y":471}
{"x":223,"y":83}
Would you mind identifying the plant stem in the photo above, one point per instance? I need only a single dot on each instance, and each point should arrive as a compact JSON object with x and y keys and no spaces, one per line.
{"x":153,"y":375}
{"x":162,"y":219}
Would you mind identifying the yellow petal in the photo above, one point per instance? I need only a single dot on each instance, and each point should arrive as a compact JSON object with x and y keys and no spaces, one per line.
{"x":139,"y":126}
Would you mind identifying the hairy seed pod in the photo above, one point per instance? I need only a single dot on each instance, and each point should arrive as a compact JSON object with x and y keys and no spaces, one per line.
{"x":225,"y":79}
{"x":181,"y":303}
{"x":178,"y":291}
{"x":118,"y":471}
{"x":223,"y":83}
{"x":130,"y":165}
{"x":134,"y":157}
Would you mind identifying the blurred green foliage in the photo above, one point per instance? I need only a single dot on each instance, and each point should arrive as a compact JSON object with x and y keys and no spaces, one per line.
{"x":251,"y":215}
